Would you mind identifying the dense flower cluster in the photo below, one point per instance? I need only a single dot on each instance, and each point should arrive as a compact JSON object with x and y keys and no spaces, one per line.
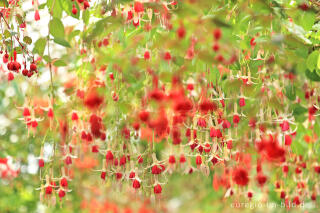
{"x":173,"y":98}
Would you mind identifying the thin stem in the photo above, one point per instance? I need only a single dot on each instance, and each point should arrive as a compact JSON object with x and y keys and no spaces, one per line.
{"x":50,"y":65}
{"x":23,"y":47}
{"x":51,"y":80}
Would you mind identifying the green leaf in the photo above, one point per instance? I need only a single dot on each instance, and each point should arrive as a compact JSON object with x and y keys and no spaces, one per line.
{"x":27,"y":40}
{"x":86,"y":17}
{"x":19,"y":19}
{"x":307,"y":20}
{"x":18,"y":49}
{"x":46,"y":58}
{"x":297,"y":31}
{"x":56,"y":28}
{"x":312,"y":60}
{"x":39,"y":46}
{"x":62,"y":42}
{"x":313,"y":76}
{"x":318,"y":64}
{"x":290,"y":92}
{"x":55,"y":7}
{"x":73,"y":34}
{"x":59,"y":63}
{"x":298,"y":110}
{"x":41,"y":6}
{"x":7,"y":34}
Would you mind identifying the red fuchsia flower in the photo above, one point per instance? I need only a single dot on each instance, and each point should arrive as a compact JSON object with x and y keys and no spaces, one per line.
{"x":48,"y":190}
{"x":50,"y":113}
{"x":80,"y":93}
{"x":298,"y":170}
{"x":215,"y":133}
{"x":250,"y":195}
{"x":132,"y":175}
{"x":136,"y":184}
{"x":146,"y":55}
{"x":167,"y":56}
{"x":36,"y":15}
{"x":41,"y":163}
{"x":285,"y":169}
{"x":190,"y":53}
{"x":140,"y":159}
{"x":222,"y":102}
{"x":253,"y":42}
{"x":181,"y":32}
{"x":198,"y":160}
{"x":236,"y":119}
{"x":296,"y":200}
{"x":125,"y":132}
{"x":190,"y":87}
{"x":282,"y":195}
{"x":68,"y":160}
{"x":182,"y":105}
{"x":207,"y":147}
{"x":118,"y":175}
{"x":5,"y":58}
{"x":156,"y":169}
{"x":160,"y":125}
{"x":229,"y":144}
{"x":74,"y":116}
{"x":182,"y":159}
{"x":86,"y":5}
{"x":270,"y":149}
{"x":109,"y":156}
{"x":92,"y":100}
{"x":6,"y":169}
{"x":157,"y":189}
{"x":95,"y":125}
{"x":176,"y":136}
{"x":138,"y":7}
{"x":172,"y":159}
{"x":252,"y":123}
{"x":240,"y":176}
{"x":284,"y":126}
{"x":103,"y":175}
{"x":216,"y":47}
{"x":242,"y":102}
{"x":64,"y":182}
{"x":226,"y":124}
{"x":261,"y":179}
{"x":74,"y":10}
{"x":144,"y":116}
{"x":287,"y":140}
{"x":123,"y":160}
{"x":61,"y":194}
{"x":207,"y":106}
{"x":303,"y":6}
{"x":217,"y":34}
{"x":202,"y":122}
{"x":157,"y":95}
{"x":10,"y":76}
{"x":26,"y":112}
{"x":95,"y":148}
{"x":314,"y":196}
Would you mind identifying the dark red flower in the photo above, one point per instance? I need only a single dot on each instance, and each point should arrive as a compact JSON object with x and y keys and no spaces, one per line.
{"x":240,"y":176}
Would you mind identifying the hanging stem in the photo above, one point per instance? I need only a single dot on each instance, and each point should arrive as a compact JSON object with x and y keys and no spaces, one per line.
{"x":50,"y":65}
{"x":51,"y":80}
{"x":22,"y":46}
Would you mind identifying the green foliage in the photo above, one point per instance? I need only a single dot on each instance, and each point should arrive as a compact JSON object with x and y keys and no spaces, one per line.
{"x":56,"y":28}
{"x":39,"y":46}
